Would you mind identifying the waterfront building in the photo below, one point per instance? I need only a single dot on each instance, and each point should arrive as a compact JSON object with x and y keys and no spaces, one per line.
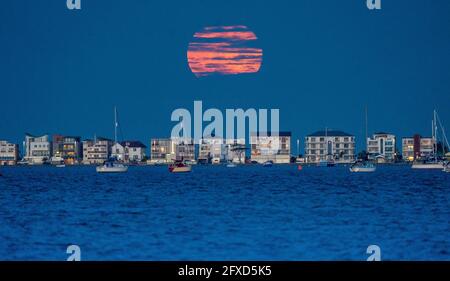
{"x":66,"y":149}
{"x":128,"y":151}
{"x":9,"y":153}
{"x":417,"y":147}
{"x":38,"y":149}
{"x":381,"y":147}
{"x":184,"y":149}
{"x":235,"y":150}
{"x":330,"y":145}
{"x":211,"y":150}
{"x":162,"y":150}
{"x":96,"y":151}
{"x":268,"y":147}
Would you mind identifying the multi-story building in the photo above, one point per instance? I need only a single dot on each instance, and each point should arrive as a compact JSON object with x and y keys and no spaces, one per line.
{"x":162,"y":150}
{"x":268,"y":147}
{"x":129,"y":151}
{"x":417,"y":147}
{"x":381,"y":147}
{"x":9,"y":153}
{"x":96,"y":151}
{"x":37,"y":149}
{"x":67,"y":149}
{"x":330,"y":145}
{"x":211,"y":150}
{"x":235,"y":150}
{"x":184,"y":149}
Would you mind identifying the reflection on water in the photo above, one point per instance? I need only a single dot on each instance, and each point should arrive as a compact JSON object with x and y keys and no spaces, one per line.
{"x":248,"y":212}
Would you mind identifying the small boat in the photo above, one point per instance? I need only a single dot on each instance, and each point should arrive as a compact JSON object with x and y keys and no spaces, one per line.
{"x":111,"y":166}
{"x":60,"y":166}
{"x":428,"y":164}
{"x":268,"y":163}
{"x":231,"y":165}
{"x":180,"y":167}
{"x":362,"y":167}
{"x":447,"y":168}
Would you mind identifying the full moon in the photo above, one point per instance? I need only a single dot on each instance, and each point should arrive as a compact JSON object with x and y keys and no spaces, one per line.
{"x":224,"y":50}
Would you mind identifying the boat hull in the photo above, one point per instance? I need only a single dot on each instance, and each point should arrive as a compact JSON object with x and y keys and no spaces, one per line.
{"x":185,"y":169}
{"x":102,"y":169}
{"x":363,"y":169}
{"x":428,"y":166}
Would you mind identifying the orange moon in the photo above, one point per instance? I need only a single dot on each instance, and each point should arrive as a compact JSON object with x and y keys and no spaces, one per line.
{"x":224,"y":50}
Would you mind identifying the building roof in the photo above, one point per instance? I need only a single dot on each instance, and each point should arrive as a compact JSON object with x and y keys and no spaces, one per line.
{"x":330,"y":133}
{"x":269,"y":134}
{"x":133,"y":144}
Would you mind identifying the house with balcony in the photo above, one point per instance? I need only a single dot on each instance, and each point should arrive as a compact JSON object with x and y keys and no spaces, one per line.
{"x":266,"y":146}
{"x":96,"y":151}
{"x":417,"y":147}
{"x":9,"y":153}
{"x":162,"y":150}
{"x":211,"y":150}
{"x":67,"y":149}
{"x":38,"y":149}
{"x":328,"y":145}
{"x":381,"y":147}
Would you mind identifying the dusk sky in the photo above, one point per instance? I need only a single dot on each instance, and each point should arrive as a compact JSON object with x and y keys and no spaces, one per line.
{"x":62,"y":71}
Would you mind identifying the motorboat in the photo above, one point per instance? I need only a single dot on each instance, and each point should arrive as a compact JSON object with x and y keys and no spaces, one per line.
{"x":231,"y":164}
{"x":268,"y":163}
{"x":428,"y":164}
{"x":180,"y":167}
{"x":363,"y":167}
{"x":112,"y":166}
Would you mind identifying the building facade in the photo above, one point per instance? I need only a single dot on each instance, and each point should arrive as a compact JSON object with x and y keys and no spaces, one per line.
{"x":417,"y":147}
{"x":330,"y":145}
{"x":268,"y":147}
{"x":9,"y":153}
{"x":162,"y":150}
{"x":67,"y":149}
{"x":381,"y":147}
{"x":37,"y":149}
{"x":129,"y":151}
{"x":96,"y":151}
{"x":211,"y":150}
{"x":235,"y":150}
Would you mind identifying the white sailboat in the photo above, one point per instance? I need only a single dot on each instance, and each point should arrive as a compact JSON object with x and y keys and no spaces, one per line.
{"x":433,"y":162}
{"x":363,"y":166}
{"x":112,"y":166}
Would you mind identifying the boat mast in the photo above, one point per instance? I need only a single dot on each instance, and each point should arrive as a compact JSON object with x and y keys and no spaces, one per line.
{"x":115,"y":125}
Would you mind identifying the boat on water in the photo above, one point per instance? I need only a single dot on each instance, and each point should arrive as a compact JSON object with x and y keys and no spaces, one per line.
{"x":362,"y":167}
{"x":433,"y":161}
{"x":112,"y":165}
{"x":180,"y":167}
{"x":60,"y":166}
{"x":447,"y":168}
{"x":231,"y":164}
{"x":268,"y":163}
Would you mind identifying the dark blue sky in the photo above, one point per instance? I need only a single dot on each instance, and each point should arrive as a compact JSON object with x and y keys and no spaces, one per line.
{"x":63,"y":71}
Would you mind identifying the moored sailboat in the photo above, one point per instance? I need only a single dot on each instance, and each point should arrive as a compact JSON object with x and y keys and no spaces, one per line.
{"x":112,"y":165}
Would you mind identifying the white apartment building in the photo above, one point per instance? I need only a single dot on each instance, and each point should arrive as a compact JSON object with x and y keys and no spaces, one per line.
{"x":162,"y":150}
{"x":235,"y":150}
{"x":9,"y":153}
{"x":37,"y":149}
{"x":330,"y":145}
{"x":381,"y":147}
{"x":268,"y":147}
{"x":96,"y":151}
{"x":184,"y":149}
{"x":211,"y":150}
{"x":128,"y":151}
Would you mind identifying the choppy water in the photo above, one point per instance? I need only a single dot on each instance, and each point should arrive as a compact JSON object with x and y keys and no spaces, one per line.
{"x":217,"y":213}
